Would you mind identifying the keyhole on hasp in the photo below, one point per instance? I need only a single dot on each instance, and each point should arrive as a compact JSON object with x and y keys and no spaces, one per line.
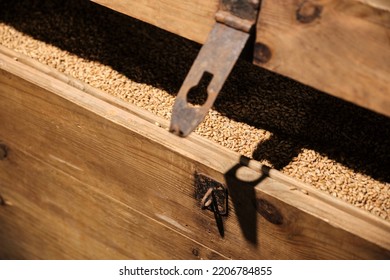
{"x":197,"y":95}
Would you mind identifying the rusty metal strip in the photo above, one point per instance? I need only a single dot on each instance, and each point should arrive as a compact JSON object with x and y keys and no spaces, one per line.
{"x":235,"y":20}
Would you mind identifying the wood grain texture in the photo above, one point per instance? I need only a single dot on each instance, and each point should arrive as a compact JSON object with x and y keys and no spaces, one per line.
{"x":192,"y":19}
{"x":96,"y":178}
{"x":340,"y":47}
{"x":66,"y":218}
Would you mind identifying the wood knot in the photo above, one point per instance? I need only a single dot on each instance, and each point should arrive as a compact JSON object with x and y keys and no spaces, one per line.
{"x":307,"y":12}
{"x":269,"y":212}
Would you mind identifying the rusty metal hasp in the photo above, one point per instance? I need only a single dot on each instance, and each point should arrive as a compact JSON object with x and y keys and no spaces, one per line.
{"x":234,"y":21}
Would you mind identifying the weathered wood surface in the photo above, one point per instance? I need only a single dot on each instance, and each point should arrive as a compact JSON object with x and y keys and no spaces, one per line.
{"x":88,"y":176}
{"x":341,"y":47}
{"x":338,"y":46}
{"x":192,"y":19}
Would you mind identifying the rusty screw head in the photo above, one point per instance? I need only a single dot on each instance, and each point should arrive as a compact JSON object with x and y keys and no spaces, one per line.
{"x":262,"y":53}
{"x":195,"y":252}
{"x":307,"y":12}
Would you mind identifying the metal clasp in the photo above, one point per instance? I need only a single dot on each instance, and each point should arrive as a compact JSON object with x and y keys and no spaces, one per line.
{"x":213,"y":197}
{"x":234,"y":21}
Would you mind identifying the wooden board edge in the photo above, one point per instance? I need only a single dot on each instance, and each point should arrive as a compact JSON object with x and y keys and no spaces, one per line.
{"x":194,"y":22}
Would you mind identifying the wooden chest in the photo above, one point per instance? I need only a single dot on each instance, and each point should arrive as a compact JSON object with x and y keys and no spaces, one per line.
{"x":84,"y":175}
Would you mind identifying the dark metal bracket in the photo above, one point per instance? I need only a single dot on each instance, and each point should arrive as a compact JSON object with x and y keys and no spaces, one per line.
{"x":208,"y":190}
{"x":235,"y":20}
{"x":213,"y":196}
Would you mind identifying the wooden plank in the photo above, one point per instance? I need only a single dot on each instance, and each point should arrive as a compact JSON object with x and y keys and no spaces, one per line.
{"x":88,"y":164}
{"x":340,"y":47}
{"x":344,"y":49}
{"x":54,"y":215}
{"x":192,"y":19}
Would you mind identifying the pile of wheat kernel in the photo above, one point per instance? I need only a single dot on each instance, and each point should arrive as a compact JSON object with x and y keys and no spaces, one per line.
{"x":328,"y":143}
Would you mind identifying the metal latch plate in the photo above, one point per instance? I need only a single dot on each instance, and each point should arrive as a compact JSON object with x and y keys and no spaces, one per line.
{"x":235,"y":20}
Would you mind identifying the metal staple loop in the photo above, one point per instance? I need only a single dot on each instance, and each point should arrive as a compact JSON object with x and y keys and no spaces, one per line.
{"x":207,"y":199}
